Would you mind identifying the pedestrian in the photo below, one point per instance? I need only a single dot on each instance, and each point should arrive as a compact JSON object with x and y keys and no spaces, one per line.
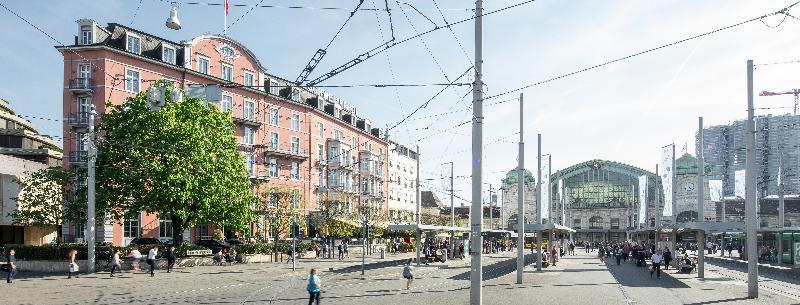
{"x":554,"y":255}
{"x":115,"y":263}
{"x":408,"y":274}
{"x":314,"y":287}
{"x":72,"y":267}
{"x":619,"y":256}
{"x":657,"y":259}
{"x":667,"y":258}
{"x":316,"y":251}
{"x":340,"y":249}
{"x":151,"y":260}
{"x":602,"y":255}
{"x":10,"y":266}
{"x":346,"y":253}
{"x":136,"y":257}
{"x":170,"y":255}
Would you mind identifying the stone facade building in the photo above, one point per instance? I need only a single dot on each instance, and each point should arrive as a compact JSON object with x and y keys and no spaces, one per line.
{"x":509,"y":208}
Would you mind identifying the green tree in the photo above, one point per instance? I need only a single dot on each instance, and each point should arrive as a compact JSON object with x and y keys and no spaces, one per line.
{"x":180,"y":161}
{"x":48,"y":197}
{"x":282,"y":207}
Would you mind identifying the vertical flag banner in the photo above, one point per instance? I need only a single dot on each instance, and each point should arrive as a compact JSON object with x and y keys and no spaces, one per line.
{"x":667,"y":174}
{"x":715,"y":190}
{"x":445,"y":173}
{"x":642,"y":199}
{"x":738,"y":183}
{"x":561,"y":201}
{"x":545,"y":183}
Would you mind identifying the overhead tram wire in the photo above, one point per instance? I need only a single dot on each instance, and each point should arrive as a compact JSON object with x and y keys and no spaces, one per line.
{"x":304,"y":7}
{"x":243,"y":15}
{"x":390,"y":44}
{"x":674,"y":43}
{"x":388,"y":58}
{"x":423,"y":41}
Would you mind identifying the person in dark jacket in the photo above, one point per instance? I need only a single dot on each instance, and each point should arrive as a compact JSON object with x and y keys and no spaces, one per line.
{"x":11,"y":266}
{"x":170,"y":255}
{"x":667,"y":258}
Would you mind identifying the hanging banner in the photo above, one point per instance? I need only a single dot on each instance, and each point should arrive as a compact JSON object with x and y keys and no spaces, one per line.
{"x":738,"y":183}
{"x":561,"y":201}
{"x":545,"y":188}
{"x":445,"y":173}
{"x":667,"y":174}
{"x":642,"y":199}
{"x":715,"y":190}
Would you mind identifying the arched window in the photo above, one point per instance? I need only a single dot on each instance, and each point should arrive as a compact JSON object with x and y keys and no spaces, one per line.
{"x":596,"y":222}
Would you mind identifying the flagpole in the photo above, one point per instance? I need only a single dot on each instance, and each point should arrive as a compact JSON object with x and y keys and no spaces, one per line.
{"x":225,"y":18}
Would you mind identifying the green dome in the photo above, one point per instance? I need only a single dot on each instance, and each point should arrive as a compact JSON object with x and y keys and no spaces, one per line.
{"x":686,"y":165}
{"x":511,"y":177}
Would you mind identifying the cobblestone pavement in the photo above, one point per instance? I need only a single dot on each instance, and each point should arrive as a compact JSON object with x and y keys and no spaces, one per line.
{"x":579,"y":279}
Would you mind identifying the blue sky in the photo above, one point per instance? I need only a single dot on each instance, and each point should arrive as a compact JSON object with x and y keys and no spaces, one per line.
{"x":623,"y":112}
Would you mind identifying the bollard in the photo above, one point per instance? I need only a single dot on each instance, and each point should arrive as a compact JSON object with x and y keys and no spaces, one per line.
{"x":383,"y":253}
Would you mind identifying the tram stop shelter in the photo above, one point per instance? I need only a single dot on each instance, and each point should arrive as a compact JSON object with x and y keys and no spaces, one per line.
{"x":420,"y":229}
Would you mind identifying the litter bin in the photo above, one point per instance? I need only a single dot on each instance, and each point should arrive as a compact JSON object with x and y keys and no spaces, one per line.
{"x":383,"y":253}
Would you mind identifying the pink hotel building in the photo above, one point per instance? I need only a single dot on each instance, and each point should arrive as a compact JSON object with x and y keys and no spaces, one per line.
{"x":303,"y":139}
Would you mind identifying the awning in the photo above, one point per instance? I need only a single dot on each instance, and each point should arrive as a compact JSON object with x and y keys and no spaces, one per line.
{"x":433,"y":228}
{"x":710,"y":227}
{"x":535,"y":227}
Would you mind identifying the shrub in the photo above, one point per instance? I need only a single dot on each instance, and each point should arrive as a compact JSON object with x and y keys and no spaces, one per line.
{"x":61,"y":252}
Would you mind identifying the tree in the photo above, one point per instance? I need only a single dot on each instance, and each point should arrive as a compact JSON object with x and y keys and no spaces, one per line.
{"x":282,"y":207}
{"x":48,"y":197}
{"x":329,"y":219}
{"x":180,"y":161}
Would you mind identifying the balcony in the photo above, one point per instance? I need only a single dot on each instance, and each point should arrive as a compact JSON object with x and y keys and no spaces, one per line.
{"x":248,"y":119}
{"x":284,"y":151}
{"x":81,"y":85}
{"x":78,"y":157}
{"x":78,"y":119}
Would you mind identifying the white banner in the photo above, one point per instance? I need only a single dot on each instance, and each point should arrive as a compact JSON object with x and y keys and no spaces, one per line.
{"x":715,"y":190}
{"x":667,"y":173}
{"x":561,"y":201}
{"x":738,"y":183}
{"x":642,"y":199}
{"x":545,"y":183}
{"x":445,"y":173}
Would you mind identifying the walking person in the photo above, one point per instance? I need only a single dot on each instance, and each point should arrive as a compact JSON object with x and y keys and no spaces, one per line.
{"x":340,"y":249}
{"x":314,"y":287}
{"x":170,"y":255}
{"x":602,"y":255}
{"x":10,"y":266}
{"x":151,"y":260}
{"x":657,"y":259}
{"x":72,"y":267}
{"x":667,"y":258}
{"x":136,"y":257}
{"x":408,"y":274}
{"x":115,"y":263}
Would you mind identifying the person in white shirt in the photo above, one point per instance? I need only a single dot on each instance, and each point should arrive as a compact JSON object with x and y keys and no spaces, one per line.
{"x":151,"y":259}
{"x":115,"y":262}
{"x":657,"y":259}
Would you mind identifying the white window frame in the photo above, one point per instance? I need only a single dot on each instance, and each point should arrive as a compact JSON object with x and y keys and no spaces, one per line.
{"x":320,"y":130}
{"x":274,"y":116}
{"x":229,"y":68}
{"x":274,"y":87}
{"x":294,"y":174}
{"x":249,"y":164}
{"x":274,"y":169}
{"x":295,"y":145}
{"x":85,"y":71}
{"x":274,"y":140}
{"x":164,"y":49}
{"x":126,"y":227}
{"x":84,"y":104}
{"x":130,"y":83}
{"x":87,"y":36}
{"x":295,"y":122}
{"x":81,"y":142}
{"x":251,"y":76}
{"x":227,"y":103}
{"x":249,"y":135}
{"x":320,"y":152}
{"x":338,"y":134}
{"x":128,"y":38}
{"x":295,"y":94}
{"x":162,"y":223}
{"x":249,"y":110}
{"x":201,"y":58}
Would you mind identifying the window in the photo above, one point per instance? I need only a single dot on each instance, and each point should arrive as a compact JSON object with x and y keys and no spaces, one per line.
{"x":296,"y":94}
{"x":338,"y":134}
{"x":320,"y":130}
{"x":596,"y":222}
{"x":227,"y":103}
{"x":202,"y":64}
{"x":84,"y":107}
{"x":354,"y":143}
{"x":274,"y":88}
{"x":248,"y":164}
{"x":615,"y":223}
{"x":86,"y":34}
{"x":248,"y":78}
{"x":273,"y":140}
{"x":134,"y":44}
{"x":295,"y":122}
{"x":248,"y":136}
{"x":295,"y":145}
{"x":84,"y":75}
{"x":164,"y":227}
{"x":576,"y":223}
{"x":80,"y":230}
{"x":202,"y":231}
{"x":320,"y":179}
{"x":81,"y":142}
{"x":273,"y":116}
{"x":273,"y":167}
{"x":132,"y":80}
{"x":227,"y":72}
{"x":249,"y":110}
{"x":168,"y":55}
{"x":295,"y":174}
{"x":320,"y":152}
{"x":227,"y":51}
{"x":130,"y":228}
{"x":295,"y":198}
{"x":333,"y":178}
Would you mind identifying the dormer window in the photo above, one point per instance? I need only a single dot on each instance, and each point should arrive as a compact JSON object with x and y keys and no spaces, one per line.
{"x":296,"y":94}
{"x":226,"y":51}
{"x":134,"y":44}
{"x":86,"y":34}
{"x":168,"y":54}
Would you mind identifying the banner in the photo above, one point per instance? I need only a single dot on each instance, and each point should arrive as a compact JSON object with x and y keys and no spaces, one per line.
{"x":738,"y":183}
{"x":445,"y":173}
{"x":715,"y":190}
{"x":561,"y":201}
{"x":667,"y":174}
{"x":545,"y":184}
{"x":642,"y":199}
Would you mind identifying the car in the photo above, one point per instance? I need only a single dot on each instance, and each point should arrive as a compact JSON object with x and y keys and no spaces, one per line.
{"x":146,"y":242}
{"x":214,"y":245}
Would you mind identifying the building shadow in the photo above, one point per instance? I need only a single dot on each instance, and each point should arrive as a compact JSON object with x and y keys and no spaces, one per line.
{"x":632,"y":276}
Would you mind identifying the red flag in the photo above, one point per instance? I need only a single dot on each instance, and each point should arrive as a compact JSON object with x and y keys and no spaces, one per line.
{"x":226,"y":7}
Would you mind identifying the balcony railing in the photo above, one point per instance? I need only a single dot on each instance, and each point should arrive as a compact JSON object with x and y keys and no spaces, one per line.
{"x":286,"y":151}
{"x":78,"y":156}
{"x":249,"y":119}
{"x":78,"y":119}
{"x":81,"y":85}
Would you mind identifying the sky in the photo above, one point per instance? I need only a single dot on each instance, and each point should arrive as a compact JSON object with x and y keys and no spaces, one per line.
{"x":624,"y":112}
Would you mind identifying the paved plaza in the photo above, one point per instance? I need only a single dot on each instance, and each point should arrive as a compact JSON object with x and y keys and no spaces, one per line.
{"x":579,"y":279}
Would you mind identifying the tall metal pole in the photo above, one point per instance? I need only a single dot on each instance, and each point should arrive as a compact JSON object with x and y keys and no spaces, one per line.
{"x":539,"y":202}
{"x":491,"y":202}
{"x":781,"y":195}
{"x":476,"y":240}
{"x":294,"y":244}
{"x":452,"y":213}
{"x":90,"y":209}
{"x":751,"y":201}
{"x":419,"y":207}
{"x":520,"y":198}
{"x":657,"y":214}
{"x":701,"y":187}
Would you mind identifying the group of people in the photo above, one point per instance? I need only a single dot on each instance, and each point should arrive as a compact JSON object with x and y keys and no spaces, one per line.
{"x":498,"y":245}
{"x":639,"y":253}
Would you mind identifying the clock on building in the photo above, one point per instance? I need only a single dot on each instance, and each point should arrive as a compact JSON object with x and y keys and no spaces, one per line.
{"x":688,"y":187}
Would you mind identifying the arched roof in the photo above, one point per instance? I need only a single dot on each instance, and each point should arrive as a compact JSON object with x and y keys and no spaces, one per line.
{"x":227,"y":39}
{"x":512,"y":175}
{"x":597,"y":164}
{"x":686,"y":165}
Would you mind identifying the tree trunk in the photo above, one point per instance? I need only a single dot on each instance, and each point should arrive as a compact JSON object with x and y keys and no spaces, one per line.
{"x":177,"y":230}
